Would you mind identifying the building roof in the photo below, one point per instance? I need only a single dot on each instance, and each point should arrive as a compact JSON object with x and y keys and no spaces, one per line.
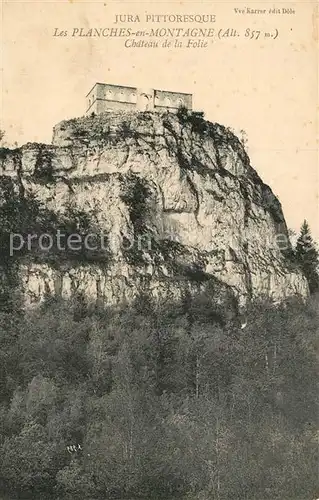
{"x":136,"y":88}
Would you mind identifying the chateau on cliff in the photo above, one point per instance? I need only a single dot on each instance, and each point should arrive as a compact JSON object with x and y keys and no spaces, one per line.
{"x":106,"y":97}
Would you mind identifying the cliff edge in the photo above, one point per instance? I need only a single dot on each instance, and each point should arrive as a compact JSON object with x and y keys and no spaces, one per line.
{"x":175,"y":198}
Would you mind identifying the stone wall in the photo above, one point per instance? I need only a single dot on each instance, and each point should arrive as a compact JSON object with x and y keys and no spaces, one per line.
{"x":102,"y":105}
{"x":106,"y":97}
{"x":114,"y":97}
{"x":165,"y":99}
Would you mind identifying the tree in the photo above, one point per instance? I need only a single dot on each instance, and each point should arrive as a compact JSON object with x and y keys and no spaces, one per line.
{"x":307,"y":257}
{"x":243,"y":138}
{"x":4,"y":143}
{"x":165,"y":401}
{"x":28,"y":460}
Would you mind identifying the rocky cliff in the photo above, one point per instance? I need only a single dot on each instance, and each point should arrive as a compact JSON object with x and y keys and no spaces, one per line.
{"x":175,"y":198}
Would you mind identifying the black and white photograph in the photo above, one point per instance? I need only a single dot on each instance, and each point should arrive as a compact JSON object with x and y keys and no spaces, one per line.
{"x":159,"y":258}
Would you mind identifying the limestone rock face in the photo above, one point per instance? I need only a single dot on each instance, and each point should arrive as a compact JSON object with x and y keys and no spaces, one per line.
{"x":175,"y":197}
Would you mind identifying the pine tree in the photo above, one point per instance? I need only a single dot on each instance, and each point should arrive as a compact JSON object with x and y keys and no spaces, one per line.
{"x":307,"y":257}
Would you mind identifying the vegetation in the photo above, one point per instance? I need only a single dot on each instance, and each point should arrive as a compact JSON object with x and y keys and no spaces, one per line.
{"x":164,"y":402}
{"x":23,"y":218}
{"x":307,"y":257}
{"x":21,"y":213}
{"x":156,"y":401}
{"x":4,"y":145}
{"x":195,"y":118}
{"x":136,"y":196}
{"x":44,"y":171}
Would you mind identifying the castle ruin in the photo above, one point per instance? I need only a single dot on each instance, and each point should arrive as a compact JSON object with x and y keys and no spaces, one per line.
{"x":106,"y":97}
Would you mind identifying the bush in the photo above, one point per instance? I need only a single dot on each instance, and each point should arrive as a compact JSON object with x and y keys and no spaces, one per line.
{"x":161,"y":398}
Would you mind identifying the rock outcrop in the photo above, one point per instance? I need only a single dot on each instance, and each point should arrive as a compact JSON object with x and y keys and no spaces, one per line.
{"x":174,"y":197}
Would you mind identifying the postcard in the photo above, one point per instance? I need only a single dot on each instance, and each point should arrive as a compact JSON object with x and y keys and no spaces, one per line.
{"x":159,"y":264}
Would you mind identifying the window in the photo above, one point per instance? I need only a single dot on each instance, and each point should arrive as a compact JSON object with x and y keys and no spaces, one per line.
{"x":145,"y":102}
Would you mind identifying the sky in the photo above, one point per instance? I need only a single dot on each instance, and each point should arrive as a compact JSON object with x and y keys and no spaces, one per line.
{"x":267,"y":87}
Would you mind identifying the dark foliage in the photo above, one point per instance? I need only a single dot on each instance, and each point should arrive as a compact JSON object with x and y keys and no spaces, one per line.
{"x":23,"y":219}
{"x":164,"y":401}
{"x":135,"y":196}
{"x":307,"y":257}
{"x":44,"y":171}
{"x":195,"y":118}
{"x":23,"y":215}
